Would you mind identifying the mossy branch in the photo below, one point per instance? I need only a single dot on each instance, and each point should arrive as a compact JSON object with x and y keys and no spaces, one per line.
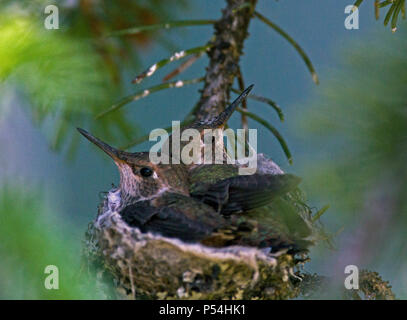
{"x":224,"y":56}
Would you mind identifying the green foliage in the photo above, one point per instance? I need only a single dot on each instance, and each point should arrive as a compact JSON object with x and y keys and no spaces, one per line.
{"x":359,"y":118}
{"x":32,"y":237}
{"x":70,"y":75}
{"x":62,"y":77}
{"x":365,"y":105}
{"x":395,"y":9}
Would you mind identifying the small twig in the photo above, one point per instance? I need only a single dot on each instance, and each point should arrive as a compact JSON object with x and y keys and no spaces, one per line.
{"x":185,"y":65}
{"x":165,"y":25}
{"x":176,"y":56}
{"x":273,"y":130}
{"x":397,"y":10}
{"x":320,"y":213}
{"x":146,"y":92}
{"x":292,"y":42}
{"x":376,"y":9}
{"x":133,"y":290}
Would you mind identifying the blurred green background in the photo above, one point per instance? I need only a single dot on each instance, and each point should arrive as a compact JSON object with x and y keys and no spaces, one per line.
{"x":348,"y":136}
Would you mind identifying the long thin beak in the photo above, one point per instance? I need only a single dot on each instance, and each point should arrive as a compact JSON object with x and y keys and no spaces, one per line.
{"x":112,"y":152}
{"x":222,"y":118}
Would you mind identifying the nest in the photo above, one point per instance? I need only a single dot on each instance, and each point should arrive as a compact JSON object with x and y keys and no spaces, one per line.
{"x":133,"y":265}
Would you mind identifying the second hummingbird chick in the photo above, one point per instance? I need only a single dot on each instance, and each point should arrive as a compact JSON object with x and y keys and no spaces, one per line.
{"x":215,"y":142}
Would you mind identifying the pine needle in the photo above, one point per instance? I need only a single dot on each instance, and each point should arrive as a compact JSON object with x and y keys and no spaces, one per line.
{"x":273,"y":130}
{"x":268,"y":101}
{"x":320,"y":213}
{"x":182,"y":67}
{"x":297,"y":47}
{"x":176,"y":56}
{"x":358,"y":3}
{"x":146,"y":92}
{"x":158,"y":26}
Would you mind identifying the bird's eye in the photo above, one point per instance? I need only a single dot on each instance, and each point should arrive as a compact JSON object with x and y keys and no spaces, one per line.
{"x":146,"y":172}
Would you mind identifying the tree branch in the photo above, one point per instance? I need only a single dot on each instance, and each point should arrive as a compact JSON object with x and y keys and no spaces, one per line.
{"x":230,"y":33}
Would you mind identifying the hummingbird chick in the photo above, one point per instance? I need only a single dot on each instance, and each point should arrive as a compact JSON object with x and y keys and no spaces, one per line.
{"x":215,"y":127}
{"x":140,"y":179}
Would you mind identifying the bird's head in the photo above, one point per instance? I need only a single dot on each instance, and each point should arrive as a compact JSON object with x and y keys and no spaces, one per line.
{"x":139,"y":177}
